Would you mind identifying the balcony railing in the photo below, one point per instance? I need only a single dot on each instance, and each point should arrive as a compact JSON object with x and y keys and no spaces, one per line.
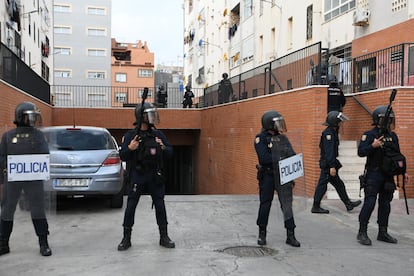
{"x":393,"y":66}
{"x":114,"y":96}
{"x":14,"y":71}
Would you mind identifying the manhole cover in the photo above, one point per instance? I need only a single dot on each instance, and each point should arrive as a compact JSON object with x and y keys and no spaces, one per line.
{"x":249,"y":251}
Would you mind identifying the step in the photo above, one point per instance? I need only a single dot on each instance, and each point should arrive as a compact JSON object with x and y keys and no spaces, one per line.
{"x":353,"y":166}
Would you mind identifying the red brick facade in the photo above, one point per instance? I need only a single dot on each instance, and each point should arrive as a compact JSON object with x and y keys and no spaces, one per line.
{"x":222,"y":136}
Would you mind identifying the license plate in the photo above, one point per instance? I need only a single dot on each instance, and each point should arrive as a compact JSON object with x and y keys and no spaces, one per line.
{"x":71,"y":182}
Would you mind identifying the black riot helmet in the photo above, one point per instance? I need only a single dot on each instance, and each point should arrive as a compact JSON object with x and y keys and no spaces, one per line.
{"x":332,"y":79}
{"x":150,"y":114}
{"x":379,"y":114}
{"x":334,"y":118}
{"x":273,"y":120}
{"x":27,"y":115}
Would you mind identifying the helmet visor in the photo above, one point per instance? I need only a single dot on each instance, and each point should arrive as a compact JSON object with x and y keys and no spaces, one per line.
{"x":32,"y":118}
{"x":279,"y":124}
{"x":152,"y":115}
{"x":342,"y":117}
{"x":391,"y":121}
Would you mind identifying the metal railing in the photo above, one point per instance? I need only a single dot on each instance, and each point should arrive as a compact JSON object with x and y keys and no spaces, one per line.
{"x":116,"y":96}
{"x":298,"y":69}
{"x":393,"y":66}
{"x":14,"y":71}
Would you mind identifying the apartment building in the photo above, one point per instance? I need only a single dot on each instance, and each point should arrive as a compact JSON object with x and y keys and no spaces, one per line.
{"x":132,"y":70}
{"x":235,"y":36}
{"x":82,"y":51}
{"x":25,"y":29}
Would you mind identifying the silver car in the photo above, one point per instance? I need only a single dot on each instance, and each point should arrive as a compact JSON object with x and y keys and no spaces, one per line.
{"x":84,"y":161}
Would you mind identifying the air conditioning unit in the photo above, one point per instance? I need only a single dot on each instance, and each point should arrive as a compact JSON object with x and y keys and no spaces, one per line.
{"x":361,"y":17}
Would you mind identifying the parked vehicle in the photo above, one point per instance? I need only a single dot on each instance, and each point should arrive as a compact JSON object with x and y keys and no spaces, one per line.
{"x":84,"y":161}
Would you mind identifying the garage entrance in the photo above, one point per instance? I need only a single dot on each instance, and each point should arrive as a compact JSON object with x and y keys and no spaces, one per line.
{"x":179,"y":171}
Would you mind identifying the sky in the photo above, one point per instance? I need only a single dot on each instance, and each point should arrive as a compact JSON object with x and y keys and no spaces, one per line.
{"x":158,"y":22}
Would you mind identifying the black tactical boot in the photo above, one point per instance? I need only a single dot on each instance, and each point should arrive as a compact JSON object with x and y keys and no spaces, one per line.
{"x":352,"y":204}
{"x":317,"y":209}
{"x":384,"y":236}
{"x":126,"y":240}
{"x":291,"y":239}
{"x":165,"y":241}
{"x":362,"y":236}
{"x":4,"y":246}
{"x":262,"y":236}
{"x":44,"y":246}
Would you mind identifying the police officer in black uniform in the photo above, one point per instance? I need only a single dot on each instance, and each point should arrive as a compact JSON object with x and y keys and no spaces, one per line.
{"x":330,"y":165}
{"x":188,"y":97}
{"x":162,"y":97}
{"x":225,"y":89}
{"x":25,"y":139}
{"x":336,"y":97}
{"x":144,"y":150}
{"x":378,"y":182}
{"x":272,"y":145}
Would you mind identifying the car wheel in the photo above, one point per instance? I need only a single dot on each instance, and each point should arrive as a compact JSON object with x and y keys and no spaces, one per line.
{"x":117,"y":200}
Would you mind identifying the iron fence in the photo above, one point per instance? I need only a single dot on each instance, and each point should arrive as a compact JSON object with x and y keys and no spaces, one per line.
{"x":14,"y":71}
{"x":393,"y":66}
{"x":117,"y":96}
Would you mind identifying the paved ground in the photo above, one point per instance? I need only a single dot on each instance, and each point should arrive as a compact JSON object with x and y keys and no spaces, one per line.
{"x":214,"y":235}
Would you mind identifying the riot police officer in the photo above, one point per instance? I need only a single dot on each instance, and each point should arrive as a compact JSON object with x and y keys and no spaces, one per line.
{"x":25,"y":139}
{"x":336,"y":97}
{"x":272,"y":145}
{"x":162,"y":97}
{"x":188,"y":97}
{"x":379,"y":183}
{"x":330,"y":165}
{"x":144,"y":149}
{"x":225,"y":89}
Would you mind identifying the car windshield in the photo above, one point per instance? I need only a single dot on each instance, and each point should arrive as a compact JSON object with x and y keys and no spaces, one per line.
{"x":78,"y":139}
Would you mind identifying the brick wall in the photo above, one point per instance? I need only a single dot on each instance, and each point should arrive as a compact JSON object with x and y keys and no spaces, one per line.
{"x":400,"y":33}
{"x":10,"y":98}
{"x":223,"y":136}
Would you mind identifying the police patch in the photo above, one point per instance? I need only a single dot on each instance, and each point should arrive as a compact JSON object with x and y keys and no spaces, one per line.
{"x":257,"y":140}
{"x":328,"y":137}
{"x":364,"y":137}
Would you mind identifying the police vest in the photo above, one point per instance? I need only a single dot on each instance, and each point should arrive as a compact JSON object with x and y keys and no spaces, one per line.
{"x":149,"y":153}
{"x":26,"y":140}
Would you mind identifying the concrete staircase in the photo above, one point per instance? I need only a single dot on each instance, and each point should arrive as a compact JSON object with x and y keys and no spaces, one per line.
{"x":353,"y":166}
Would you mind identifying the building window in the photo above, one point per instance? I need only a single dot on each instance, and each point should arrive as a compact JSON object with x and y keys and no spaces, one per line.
{"x":65,"y":51}
{"x":62,"y":98}
{"x":62,"y":29}
{"x":62,"y":8}
{"x":96,"y":52}
{"x":63,"y":73}
{"x":45,"y":71}
{"x":248,"y":8}
{"x":120,"y":97}
{"x":144,"y":73}
{"x":334,"y":8}
{"x":96,"y":32}
{"x":96,"y":75}
{"x":96,"y":99}
{"x":190,"y":6}
{"x":96,"y":10}
{"x":120,"y":77}
{"x":411,"y":60}
{"x":309,"y":22}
